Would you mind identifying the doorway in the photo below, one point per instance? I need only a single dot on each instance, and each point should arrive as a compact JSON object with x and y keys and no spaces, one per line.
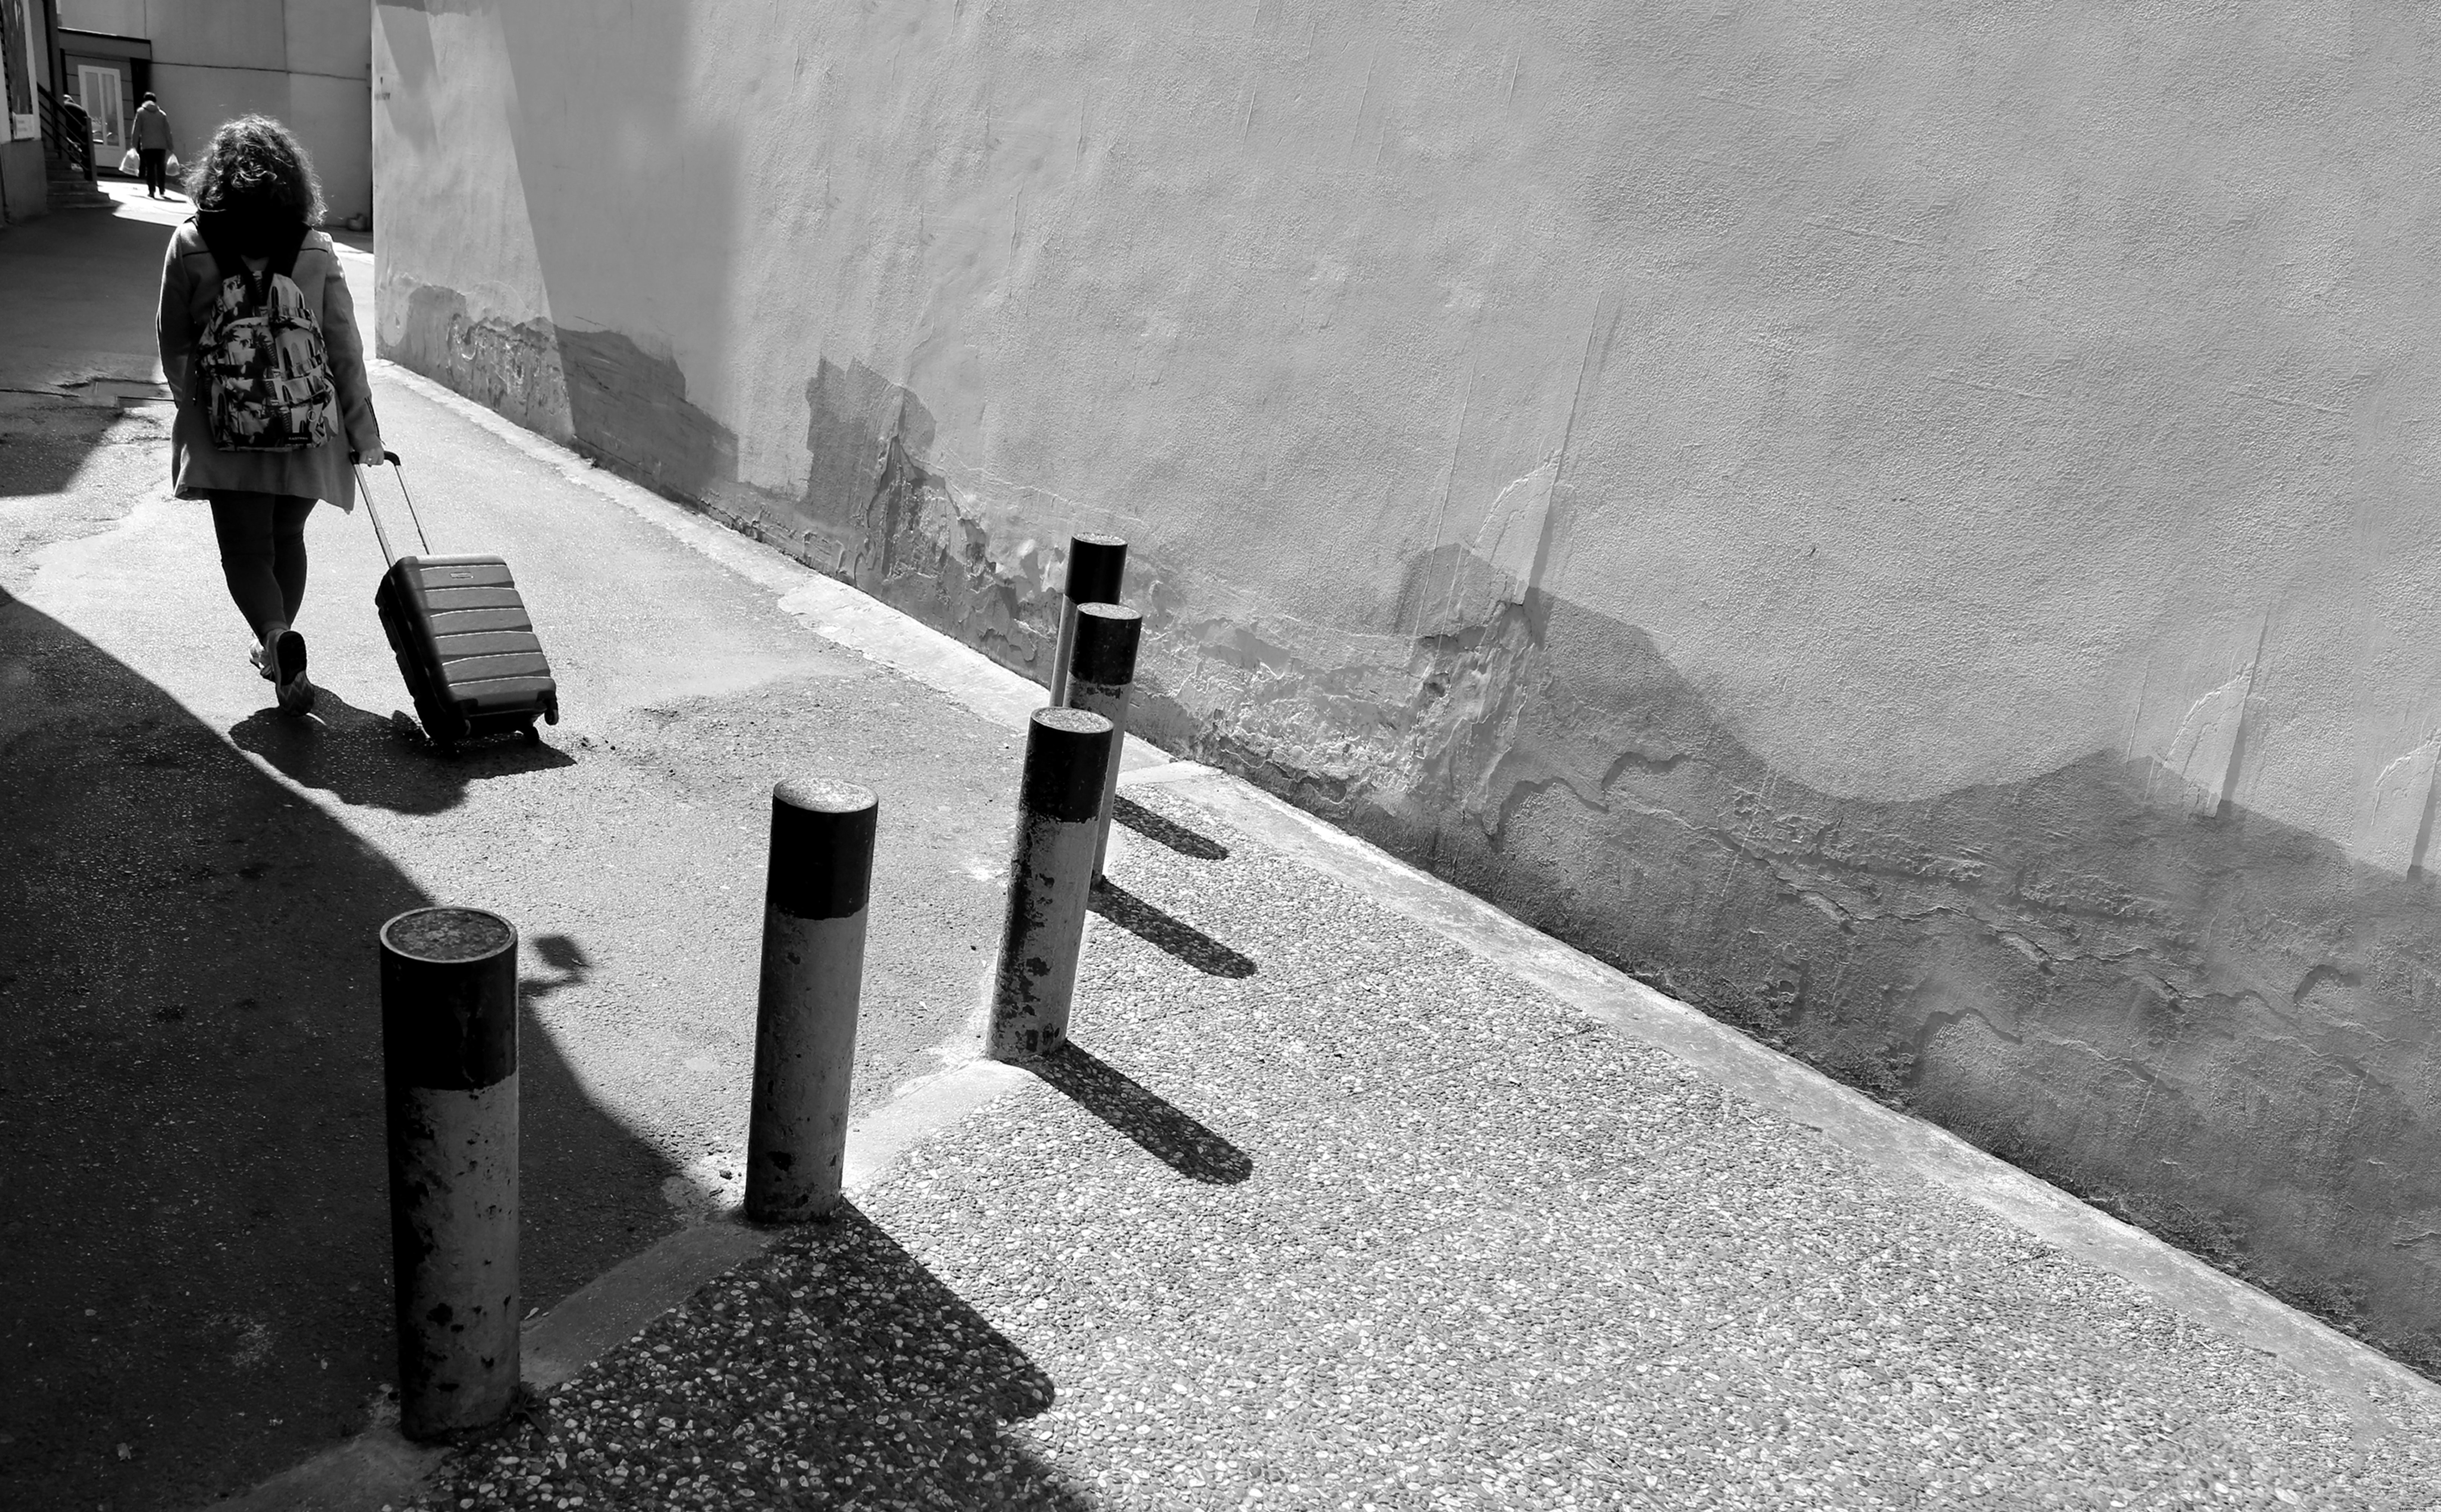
{"x":98,"y":88}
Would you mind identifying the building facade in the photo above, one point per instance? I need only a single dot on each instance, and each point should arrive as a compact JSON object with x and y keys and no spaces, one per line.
{"x":1907,"y":531}
{"x":26,"y":86}
{"x":305,"y":62}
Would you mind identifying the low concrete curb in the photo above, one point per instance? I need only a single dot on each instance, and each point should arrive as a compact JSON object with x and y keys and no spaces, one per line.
{"x":379,"y":1468}
{"x":2353,"y":1372}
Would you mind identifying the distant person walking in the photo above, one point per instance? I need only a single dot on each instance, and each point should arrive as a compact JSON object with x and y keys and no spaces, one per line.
{"x":258,"y":342}
{"x":152,"y":144}
{"x":79,"y":131}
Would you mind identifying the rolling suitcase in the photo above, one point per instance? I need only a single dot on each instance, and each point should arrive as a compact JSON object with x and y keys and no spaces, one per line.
{"x":464,"y":640}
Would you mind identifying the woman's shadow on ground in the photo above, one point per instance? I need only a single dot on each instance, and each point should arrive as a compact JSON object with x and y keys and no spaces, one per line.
{"x":366,"y":759}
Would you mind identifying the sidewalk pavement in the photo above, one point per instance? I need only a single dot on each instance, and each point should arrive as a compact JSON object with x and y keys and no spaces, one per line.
{"x":1327,"y":1210}
{"x":1353,"y":1194}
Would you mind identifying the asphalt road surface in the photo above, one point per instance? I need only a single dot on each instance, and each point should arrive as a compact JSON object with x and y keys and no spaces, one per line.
{"x":194,"y":1225}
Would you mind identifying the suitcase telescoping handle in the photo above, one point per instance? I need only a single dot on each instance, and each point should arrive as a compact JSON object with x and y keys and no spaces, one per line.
{"x":365,"y":490}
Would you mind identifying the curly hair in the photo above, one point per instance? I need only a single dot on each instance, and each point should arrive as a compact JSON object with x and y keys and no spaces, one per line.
{"x":256,"y":164}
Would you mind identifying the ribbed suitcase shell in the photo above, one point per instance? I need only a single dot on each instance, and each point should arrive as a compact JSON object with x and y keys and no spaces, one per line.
{"x":466,"y":647}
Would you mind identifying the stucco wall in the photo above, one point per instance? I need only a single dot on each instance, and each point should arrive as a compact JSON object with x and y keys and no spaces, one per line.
{"x":1910,"y":528}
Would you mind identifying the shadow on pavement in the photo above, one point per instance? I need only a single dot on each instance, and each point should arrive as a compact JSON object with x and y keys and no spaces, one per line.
{"x":1163,"y":831}
{"x":360,"y":758}
{"x":567,"y":958}
{"x":1173,"y":1137}
{"x":44,"y":442}
{"x":72,"y":330}
{"x":834,"y":1371}
{"x":195,"y":1246}
{"x":1155,"y":927}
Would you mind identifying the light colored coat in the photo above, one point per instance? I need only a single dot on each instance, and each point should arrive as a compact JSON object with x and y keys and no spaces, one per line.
{"x":190,"y":281}
{"x":152,"y":127}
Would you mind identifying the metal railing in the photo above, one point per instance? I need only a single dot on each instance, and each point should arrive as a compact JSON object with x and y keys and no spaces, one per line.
{"x":74,"y":148}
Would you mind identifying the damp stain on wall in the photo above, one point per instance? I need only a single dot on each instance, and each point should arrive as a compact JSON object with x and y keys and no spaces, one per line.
{"x":2210,"y":1023}
{"x":512,"y":368}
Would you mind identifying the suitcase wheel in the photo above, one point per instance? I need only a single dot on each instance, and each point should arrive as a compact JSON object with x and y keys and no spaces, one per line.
{"x":534,"y":733}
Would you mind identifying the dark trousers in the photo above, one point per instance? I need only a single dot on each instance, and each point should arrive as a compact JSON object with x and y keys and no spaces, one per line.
{"x":155,"y":162}
{"x":262,"y":553}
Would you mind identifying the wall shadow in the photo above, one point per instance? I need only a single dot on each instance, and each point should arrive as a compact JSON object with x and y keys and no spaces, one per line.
{"x":1165,"y":831}
{"x":44,"y":442}
{"x":65,"y":284}
{"x":195,"y":1229}
{"x":1174,"y":1138}
{"x":833,"y":1371}
{"x":1156,"y":926}
{"x":364,"y":759}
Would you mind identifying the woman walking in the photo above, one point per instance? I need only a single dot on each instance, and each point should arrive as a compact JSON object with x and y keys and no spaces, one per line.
{"x":260,"y":345}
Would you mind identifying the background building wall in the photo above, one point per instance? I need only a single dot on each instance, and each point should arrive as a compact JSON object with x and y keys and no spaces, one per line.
{"x":1910,"y":528}
{"x":112,"y":18}
{"x":308,"y":62}
{"x":25,"y":73}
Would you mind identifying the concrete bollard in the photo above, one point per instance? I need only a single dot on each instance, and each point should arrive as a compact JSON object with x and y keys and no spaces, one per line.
{"x":1095,"y":566}
{"x":449,"y":1058}
{"x":1100,"y":671}
{"x":1050,"y":882}
{"x":815,"y":892}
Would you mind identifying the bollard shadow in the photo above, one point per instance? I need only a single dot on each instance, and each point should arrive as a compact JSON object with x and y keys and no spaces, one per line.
{"x":194,"y":1228}
{"x":1175,"y":935}
{"x":1117,"y":1099}
{"x":364,"y":760}
{"x":1165,"y":831}
{"x":833,"y":1370}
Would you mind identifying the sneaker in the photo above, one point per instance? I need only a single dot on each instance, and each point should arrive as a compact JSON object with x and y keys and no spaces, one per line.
{"x":297,"y":697}
{"x":254,"y":659}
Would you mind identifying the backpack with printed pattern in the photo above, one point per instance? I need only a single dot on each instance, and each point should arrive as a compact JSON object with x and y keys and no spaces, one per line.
{"x":262,"y":370}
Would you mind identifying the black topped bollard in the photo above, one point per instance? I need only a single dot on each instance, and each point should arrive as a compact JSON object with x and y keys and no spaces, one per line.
{"x":449,"y":1058}
{"x":1096,"y":564}
{"x":1101,"y":671}
{"x":1050,"y":884}
{"x":815,"y":893}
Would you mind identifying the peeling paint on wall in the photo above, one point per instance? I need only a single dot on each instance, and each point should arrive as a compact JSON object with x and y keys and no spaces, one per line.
{"x":871,"y":513}
{"x":2398,"y":817}
{"x":2202,"y":758}
{"x":512,"y":368}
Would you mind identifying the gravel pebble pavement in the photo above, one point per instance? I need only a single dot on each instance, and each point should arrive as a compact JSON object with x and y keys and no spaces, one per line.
{"x":1324,"y":1212}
